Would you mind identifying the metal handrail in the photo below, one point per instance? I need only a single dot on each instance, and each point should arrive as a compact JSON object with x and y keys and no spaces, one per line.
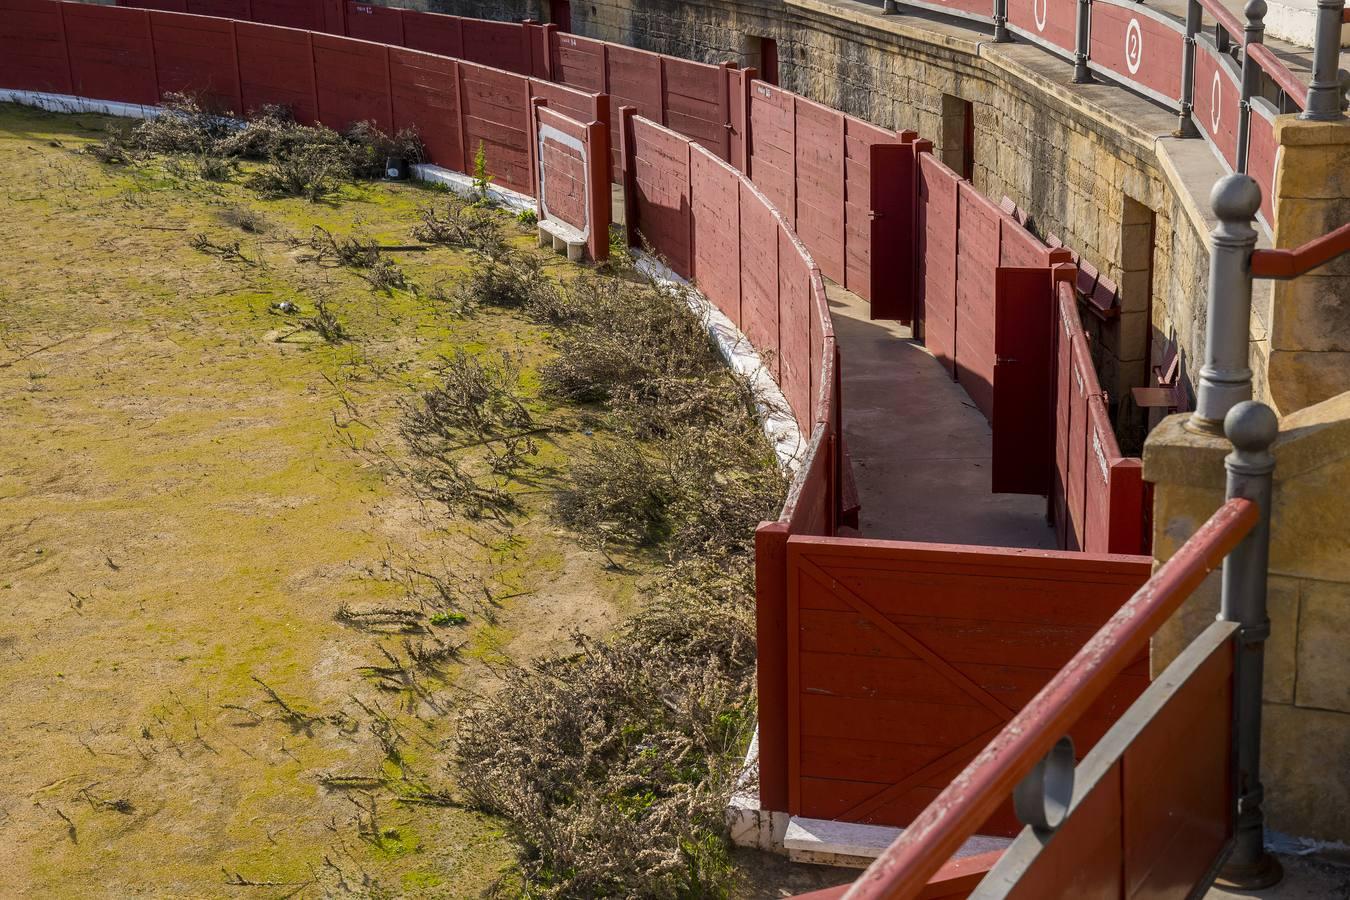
{"x":1273,"y":66}
{"x":1224,"y":17}
{"x":1284,"y":264}
{"x":905,"y":867}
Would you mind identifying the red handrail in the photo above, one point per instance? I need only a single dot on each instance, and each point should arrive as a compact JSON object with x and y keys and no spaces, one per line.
{"x":1224,"y":17}
{"x":1284,"y":264}
{"x":1279,"y":72}
{"x":901,"y":872}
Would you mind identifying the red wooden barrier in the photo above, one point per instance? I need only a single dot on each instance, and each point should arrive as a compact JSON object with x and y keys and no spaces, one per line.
{"x":1132,"y":39}
{"x":977,"y":243}
{"x":904,"y":868}
{"x":33,"y":47}
{"x":495,"y":108}
{"x":1217,"y":93}
{"x":1022,"y":380}
{"x":111,"y":53}
{"x":196,"y":55}
{"x":276,"y":67}
{"x":694,"y":98}
{"x":573,"y":181}
{"x":434,"y":33}
{"x":1048,"y":22}
{"x":660,"y":178}
{"x":353,"y":80}
{"x":937,"y":230}
{"x":819,"y":169}
{"x":893,"y":691}
{"x":383,"y":24}
{"x":717,"y":219}
{"x":772,"y":153}
{"x":305,"y":14}
{"x":425,"y":93}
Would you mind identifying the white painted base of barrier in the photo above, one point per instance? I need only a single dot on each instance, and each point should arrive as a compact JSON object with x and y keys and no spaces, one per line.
{"x":774,"y":413}
{"x":464,"y":186}
{"x":69,"y":103}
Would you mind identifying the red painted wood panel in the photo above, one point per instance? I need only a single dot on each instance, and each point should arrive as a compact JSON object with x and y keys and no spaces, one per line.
{"x":1052,"y":21}
{"x":1178,"y":784}
{"x":1067,"y":325}
{"x":859,"y":139}
{"x":1023,"y":454}
{"x":111,"y":55}
{"x":823,"y":398}
{"x":1138,"y":48}
{"x":717,"y":246}
{"x":179,"y":6}
{"x":501,"y":45}
{"x":195,"y":55}
{"x":353,"y":79}
{"x":634,"y":79}
{"x":1084,"y":858}
{"x":496,"y":117}
{"x":425,"y":91}
{"x":695,"y":104}
{"x":1101,"y":452}
{"x":759,"y":276}
{"x":1082,"y":384}
{"x":226,"y":9}
{"x":794,"y":322}
{"x":434,"y":33}
{"x":580,"y":62}
{"x":277,"y":68}
{"x":773,"y":146}
{"x":307,"y":14}
{"x":977,"y":257}
{"x":1216,"y":101}
{"x":661,"y":165}
{"x":904,"y":659}
{"x":892,"y":230}
{"x":563,"y":191}
{"x":1261,"y":156}
{"x":820,"y":188}
{"x":382,"y":24}
{"x":936,"y":227}
{"x":33,"y":47}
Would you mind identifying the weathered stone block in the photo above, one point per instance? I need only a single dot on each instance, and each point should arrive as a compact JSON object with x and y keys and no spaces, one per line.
{"x":1324,"y":647}
{"x":1303,"y":755}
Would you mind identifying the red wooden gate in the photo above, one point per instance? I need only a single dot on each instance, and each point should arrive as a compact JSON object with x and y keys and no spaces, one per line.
{"x":904,"y":659}
{"x":1023,"y":352}
{"x":892,"y":231}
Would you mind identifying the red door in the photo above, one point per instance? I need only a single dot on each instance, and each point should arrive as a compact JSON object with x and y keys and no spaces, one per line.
{"x":560,"y":14}
{"x":891,"y":167}
{"x":1023,"y":380}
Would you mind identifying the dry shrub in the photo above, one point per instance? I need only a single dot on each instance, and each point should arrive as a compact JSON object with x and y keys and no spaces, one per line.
{"x":458,"y":222}
{"x":470,"y":435}
{"x":506,"y":280}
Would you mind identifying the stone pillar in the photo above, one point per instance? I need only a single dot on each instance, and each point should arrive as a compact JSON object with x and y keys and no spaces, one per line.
{"x":1306,"y":727}
{"x":1309,"y":352}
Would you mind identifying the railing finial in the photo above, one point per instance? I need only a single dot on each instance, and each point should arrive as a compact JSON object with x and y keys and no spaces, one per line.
{"x":1252,"y":429}
{"x":1226,"y":378}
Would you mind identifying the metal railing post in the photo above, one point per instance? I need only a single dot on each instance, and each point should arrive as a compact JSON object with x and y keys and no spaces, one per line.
{"x":1186,"y":127}
{"x":1001,"y":35}
{"x":1254,"y":33}
{"x":889,"y":7}
{"x":1252,"y":429}
{"x":1082,"y":35}
{"x":1226,"y":378}
{"x":1325,"y":92}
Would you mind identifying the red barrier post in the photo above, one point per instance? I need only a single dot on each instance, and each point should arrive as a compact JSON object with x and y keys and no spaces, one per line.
{"x":598,"y":190}
{"x":626,"y":167}
{"x":771,"y":665}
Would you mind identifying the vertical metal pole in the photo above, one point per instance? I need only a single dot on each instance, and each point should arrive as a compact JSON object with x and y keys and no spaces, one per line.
{"x":1325,"y":92}
{"x":1252,"y":429}
{"x":889,"y":8}
{"x":1186,"y":127}
{"x":1225,"y":378}
{"x":1001,"y":35}
{"x":1254,"y":33}
{"x":1082,"y":33}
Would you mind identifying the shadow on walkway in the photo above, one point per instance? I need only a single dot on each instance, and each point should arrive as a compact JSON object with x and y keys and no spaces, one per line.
{"x":921,"y":450}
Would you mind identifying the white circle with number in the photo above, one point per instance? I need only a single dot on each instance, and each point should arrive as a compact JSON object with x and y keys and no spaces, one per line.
{"x":1134,"y":46}
{"x":1215,"y":98}
{"x":1040,"y":9}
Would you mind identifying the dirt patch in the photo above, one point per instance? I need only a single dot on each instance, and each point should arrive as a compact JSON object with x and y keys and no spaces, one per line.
{"x":186,"y":513}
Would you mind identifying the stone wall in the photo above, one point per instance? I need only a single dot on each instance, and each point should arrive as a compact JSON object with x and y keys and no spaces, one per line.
{"x":1069,"y":155}
{"x":1305,"y":750}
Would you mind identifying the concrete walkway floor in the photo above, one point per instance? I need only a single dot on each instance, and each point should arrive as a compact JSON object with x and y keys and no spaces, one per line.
{"x":921,"y":450}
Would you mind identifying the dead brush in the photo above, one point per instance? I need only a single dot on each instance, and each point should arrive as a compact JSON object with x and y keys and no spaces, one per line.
{"x":313,"y":172}
{"x":387,"y":276}
{"x":351,"y":251}
{"x":326,"y":324}
{"x":230,"y":251}
{"x":246,"y":219}
{"x":460,"y":223}
{"x":511,"y":279}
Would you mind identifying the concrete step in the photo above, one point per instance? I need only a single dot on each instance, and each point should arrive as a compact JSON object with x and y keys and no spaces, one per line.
{"x":829,"y":843}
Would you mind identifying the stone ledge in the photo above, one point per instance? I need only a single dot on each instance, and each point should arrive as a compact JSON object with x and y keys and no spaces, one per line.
{"x":826,"y":842}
